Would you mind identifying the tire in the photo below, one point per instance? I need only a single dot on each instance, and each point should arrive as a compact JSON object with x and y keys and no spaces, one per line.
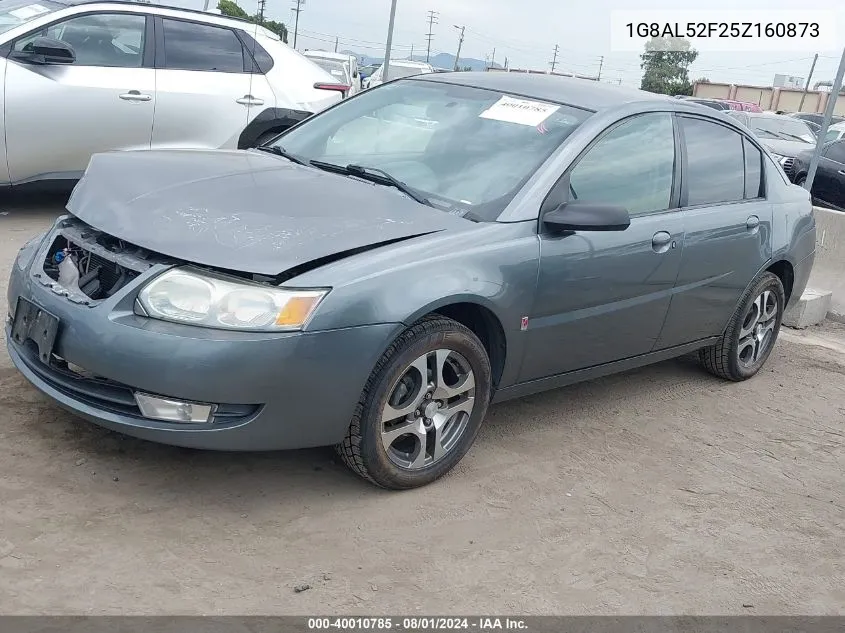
{"x":740,"y":352}
{"x":378,"y":450}
{"x":800,"y":180}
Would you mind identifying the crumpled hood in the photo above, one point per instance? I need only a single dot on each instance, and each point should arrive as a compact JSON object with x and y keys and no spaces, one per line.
{"x":243,"y":210}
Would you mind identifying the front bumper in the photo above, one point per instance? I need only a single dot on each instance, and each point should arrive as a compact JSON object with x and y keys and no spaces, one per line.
{"x":276,"y":390}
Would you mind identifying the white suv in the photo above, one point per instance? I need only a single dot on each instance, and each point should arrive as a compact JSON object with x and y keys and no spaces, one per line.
{"x":81,"y":78}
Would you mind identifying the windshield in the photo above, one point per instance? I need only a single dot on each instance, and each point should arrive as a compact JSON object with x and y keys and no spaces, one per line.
{"x":397,"y":72}
{"x":16,"y":12}
{"x":466,"y":150}
{"x":785,"y":129}
{"x":336,"y":68}
{"x":832,"y":135}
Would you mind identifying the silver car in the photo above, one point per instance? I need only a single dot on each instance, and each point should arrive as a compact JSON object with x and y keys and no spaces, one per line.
{"x":81,"y":78}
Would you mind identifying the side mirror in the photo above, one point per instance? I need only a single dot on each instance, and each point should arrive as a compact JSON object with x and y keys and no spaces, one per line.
{"x":47,"y":50}
{"x":588,"y":216}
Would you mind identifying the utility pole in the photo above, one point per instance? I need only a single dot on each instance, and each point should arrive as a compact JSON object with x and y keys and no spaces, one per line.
{"x":261,"y":4}
{"x":412,"y":53}
{"x":601,"y":63}
{"x":828,"y":113}
{"x":506,"y":63}
{"x":297,"y":9}
{"x":554,"y":59}
{"x":807,"y":85}
{"x":336,"y":42}
{"x":385,"y":68}
{"x":460,"y":43}
{"x":493,"y":58}
{"x":432,"y":20}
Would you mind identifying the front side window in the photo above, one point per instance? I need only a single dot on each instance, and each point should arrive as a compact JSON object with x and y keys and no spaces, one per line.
{"x":715,"y":163}
{"x":192,"y":46}
{"x":467,"y":150}
{"x":631,"y":166}
{"x":101,"y":39}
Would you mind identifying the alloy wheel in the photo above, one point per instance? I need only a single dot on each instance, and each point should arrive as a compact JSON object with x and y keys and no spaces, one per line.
{"x":428,"y":409}
{"x":758,"y":329}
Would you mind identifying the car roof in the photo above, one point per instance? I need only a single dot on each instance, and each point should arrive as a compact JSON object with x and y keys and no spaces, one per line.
{"x":581,"y":93}
{"x":411,"y":63}
{"x":153,"y":5}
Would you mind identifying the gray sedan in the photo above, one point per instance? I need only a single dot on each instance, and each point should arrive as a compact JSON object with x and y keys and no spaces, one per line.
{"x":380,"y":274}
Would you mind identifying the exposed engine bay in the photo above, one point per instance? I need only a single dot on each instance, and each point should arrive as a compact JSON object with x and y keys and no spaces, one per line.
{"x":87,"y":264}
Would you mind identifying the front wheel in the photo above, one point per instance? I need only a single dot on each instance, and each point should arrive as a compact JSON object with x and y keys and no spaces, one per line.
{"x":751,"y":334}
{"x":422,"y":406}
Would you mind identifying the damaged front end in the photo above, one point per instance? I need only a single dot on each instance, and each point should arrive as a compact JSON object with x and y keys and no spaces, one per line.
{"x":86,"y":265}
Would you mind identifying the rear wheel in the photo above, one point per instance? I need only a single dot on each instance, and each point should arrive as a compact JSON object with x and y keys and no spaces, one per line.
{"x":751,"y":334}
{"x":422,"y":406}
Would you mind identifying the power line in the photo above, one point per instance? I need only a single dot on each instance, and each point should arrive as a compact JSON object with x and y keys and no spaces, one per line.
{"x":432,"y":20}
{"x":554,"y":59}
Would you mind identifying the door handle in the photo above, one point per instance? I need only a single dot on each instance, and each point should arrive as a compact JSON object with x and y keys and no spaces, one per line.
{"x":135,"y":95}
{"x":752,"y":223}
{"x":660,"y":242}
{"x":249,"y":100}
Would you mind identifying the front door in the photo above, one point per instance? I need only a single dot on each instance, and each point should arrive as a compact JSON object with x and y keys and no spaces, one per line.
{"x":206,"y":92}
{"x":603,"y":296}
{"x":728,"y":225}
{"x":829,"y":184}
{"x":58,"y":115}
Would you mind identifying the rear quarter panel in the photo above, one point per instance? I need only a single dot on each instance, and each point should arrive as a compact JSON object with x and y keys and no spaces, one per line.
{"x":491,"y":265}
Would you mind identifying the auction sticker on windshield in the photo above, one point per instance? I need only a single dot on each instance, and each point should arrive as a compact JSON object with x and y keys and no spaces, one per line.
{"x":521,"y":111}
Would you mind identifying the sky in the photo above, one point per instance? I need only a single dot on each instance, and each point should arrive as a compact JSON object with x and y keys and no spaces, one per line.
{"x":526,"y":32}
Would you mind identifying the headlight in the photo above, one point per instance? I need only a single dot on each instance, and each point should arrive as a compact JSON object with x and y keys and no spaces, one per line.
{"x":185,"y":296}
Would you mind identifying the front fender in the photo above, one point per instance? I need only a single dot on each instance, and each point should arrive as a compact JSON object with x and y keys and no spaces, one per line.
{"x":491,"y":265}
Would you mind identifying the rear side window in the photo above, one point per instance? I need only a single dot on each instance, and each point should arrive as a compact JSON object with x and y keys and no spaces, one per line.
{"x":835,"y":151}
{"x":753,"y":170}
{"x":263,"y":59}
{"x":192,"y":46}
{"x":715,"y":163}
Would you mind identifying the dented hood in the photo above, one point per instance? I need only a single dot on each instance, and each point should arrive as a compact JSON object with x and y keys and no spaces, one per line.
{"x":242,"y":210}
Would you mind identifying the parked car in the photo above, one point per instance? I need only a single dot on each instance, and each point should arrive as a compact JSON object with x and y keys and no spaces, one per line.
{"x":744,"y":106}
{"x":80,"y":78}
{"x":835,"y":132}
{"x":398,"y":68}
{"x":368,"y":70}
{"x":380,"y":273}
{"x":784,"y":136}
{"x":710,"y":103}
{"x":343,"y":67}
{"x":829,"y":182}
{"x":817,"y":119}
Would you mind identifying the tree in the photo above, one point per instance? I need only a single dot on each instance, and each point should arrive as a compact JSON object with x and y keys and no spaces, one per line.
{"x":665,"y":63}
{"x":231,"y":8}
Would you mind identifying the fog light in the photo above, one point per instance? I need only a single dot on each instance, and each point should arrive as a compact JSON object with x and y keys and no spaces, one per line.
{"x":172,"y":410}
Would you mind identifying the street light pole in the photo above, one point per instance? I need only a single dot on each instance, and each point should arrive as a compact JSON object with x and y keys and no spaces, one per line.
{"x":828,"y":113}
{"x":386,"y":65}
{"x":460,"y":43}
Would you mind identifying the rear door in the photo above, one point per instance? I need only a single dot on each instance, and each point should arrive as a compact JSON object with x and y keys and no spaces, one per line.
{"x":727,"y":224}
{"x":206,"y":90}
{"x":603,"y":296}
{"x":58,"y":115}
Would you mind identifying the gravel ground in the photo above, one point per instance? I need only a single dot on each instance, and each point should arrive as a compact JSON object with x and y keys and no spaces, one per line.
{"x":659,"y":491}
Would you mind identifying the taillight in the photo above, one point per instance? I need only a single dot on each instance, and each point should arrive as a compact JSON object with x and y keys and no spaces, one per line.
{"x":341,"y":88}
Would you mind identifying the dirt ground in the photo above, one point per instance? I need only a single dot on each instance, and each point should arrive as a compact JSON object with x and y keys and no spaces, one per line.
{"x":659,"y":491}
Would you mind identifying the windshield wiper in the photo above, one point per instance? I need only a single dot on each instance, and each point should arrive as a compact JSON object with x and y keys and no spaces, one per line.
{"x":374,"y":174}
{"x":783,"y":135}
{"x":280,"y":151}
